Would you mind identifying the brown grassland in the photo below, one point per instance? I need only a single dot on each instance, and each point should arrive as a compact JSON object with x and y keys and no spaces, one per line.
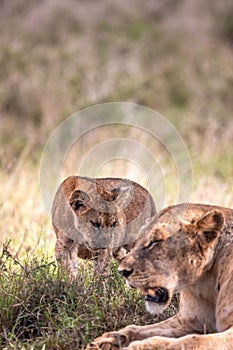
{"x":59,"y":57}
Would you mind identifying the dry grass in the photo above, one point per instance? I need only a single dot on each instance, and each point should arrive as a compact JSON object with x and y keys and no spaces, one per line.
{"x":58,"y":57}
{"x":42,"y":310}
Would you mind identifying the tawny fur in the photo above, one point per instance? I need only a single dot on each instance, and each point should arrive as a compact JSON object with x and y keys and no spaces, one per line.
{"x":97,"y":219}
{"x":186,"y":249}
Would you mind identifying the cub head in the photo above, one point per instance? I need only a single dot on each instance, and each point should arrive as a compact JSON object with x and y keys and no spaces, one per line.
{"x":99,"y":216}
{"x":169,"y":257}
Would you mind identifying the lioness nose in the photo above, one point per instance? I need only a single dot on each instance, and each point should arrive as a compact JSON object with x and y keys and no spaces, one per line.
{"x":125,"y":273}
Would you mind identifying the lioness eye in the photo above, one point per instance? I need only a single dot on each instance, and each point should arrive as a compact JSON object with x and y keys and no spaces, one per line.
{"x":153,"y":243}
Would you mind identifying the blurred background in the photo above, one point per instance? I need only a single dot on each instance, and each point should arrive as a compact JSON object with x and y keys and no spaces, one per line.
{"x":57,"y":57}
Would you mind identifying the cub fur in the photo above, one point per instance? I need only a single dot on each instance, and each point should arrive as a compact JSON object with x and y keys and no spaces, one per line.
{"x":186,"y":249}
{"x":98,"y":218}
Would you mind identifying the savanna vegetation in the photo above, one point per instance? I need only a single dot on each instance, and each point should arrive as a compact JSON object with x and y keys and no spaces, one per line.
{"x":59,"y":57}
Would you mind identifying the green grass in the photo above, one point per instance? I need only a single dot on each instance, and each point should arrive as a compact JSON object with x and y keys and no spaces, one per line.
{"x":57,"y":59}
{"x":41,"y":310}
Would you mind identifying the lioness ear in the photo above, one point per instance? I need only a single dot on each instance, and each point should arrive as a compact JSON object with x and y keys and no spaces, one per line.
{"x":122,"y":195}
{"x":211,"y":224}
{"x":78,"y":200}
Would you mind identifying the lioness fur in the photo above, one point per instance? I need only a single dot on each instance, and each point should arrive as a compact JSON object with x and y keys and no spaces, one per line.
{"x":186,"y":249}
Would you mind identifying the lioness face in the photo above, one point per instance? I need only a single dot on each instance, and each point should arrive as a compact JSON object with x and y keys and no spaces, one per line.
{"x":100,"y":219}
{"x":169,"y":257}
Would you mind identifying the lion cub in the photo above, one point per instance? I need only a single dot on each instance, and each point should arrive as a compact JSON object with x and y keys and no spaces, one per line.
{"x":97,"y":219}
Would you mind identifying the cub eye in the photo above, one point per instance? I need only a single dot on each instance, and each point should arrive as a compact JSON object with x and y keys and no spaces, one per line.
{"x":95,"y":224}
{"x":77,"y":205}
{"x":113,"y":224}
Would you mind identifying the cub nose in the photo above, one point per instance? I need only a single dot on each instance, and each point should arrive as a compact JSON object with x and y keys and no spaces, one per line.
{"x":125,"y":273}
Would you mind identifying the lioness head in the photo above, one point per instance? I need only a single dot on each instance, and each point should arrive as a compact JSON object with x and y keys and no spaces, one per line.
{"x":170,"y":256}
{"x":99,"y":216}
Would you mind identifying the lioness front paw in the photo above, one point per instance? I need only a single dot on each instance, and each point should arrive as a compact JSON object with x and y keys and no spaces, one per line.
{"x":158,"y":343}
{"x":108,"y":341}
{"x":136,"y":345}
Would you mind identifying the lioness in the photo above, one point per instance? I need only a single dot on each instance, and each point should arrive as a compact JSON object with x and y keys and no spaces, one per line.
{"x":95,"y":218}
{"x":186,"y":249}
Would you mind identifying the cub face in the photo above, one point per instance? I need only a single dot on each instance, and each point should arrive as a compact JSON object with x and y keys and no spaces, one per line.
{"x":99,"y":216}
{"x":168,"y":257}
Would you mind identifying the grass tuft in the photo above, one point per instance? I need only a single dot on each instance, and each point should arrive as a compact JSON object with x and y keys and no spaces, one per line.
{"x":39,"y":308}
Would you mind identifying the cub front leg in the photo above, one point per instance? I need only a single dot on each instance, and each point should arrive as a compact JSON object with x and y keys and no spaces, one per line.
{"x":66,"y":251}
{"x":102,"y":261}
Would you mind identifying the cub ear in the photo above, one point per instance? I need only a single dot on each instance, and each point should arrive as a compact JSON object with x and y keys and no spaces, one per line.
{"x":211,"y":224}
{"x":78,"y":200}
{"x":122,"y":195}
